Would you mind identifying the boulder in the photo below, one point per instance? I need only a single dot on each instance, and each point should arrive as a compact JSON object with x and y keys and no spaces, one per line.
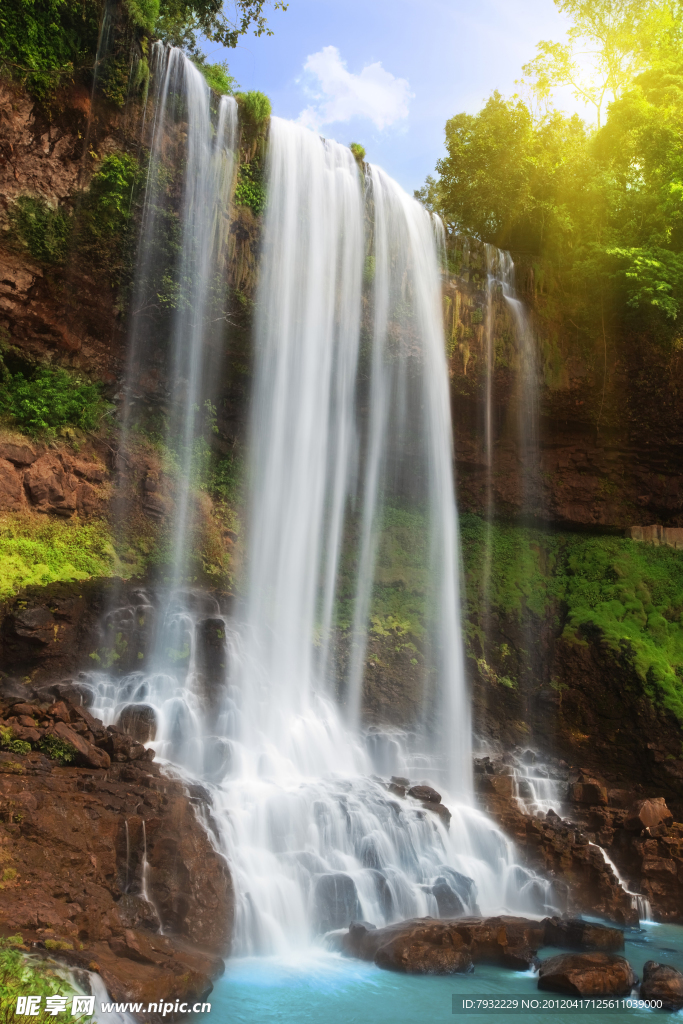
{"x":122,"y":747}
{"x":139,"y":721}
{"x":335,"y":902}
{"x":662,"y":982}
{"x":589,"y":792}
{"x":577,"y":934}
{"x":647,"y":814}
{"x":18,"y":453}
{"x":587,"y":974}
{"x":11,"y":491}
{"x":88,"y":753}
{"x":412,"y":956}
{"x":447,"y":900}
{"x":428,"y":946}
{"x":425,"y":793}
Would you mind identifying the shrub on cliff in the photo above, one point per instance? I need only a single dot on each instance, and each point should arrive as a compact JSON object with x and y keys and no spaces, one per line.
{"x":45,"y":232}
{"x":48,"y":398}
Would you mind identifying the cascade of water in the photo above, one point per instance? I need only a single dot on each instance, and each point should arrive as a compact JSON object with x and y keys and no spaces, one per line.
{"x":528,"y":381}
{"x":408,"y":461}
{"x":638,"y":901}
{"x":251,"y":704}
{"x":185,"y":130}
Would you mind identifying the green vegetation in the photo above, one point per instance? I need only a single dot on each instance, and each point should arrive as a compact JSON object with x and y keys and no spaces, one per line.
{"x":40,"y":551}
{"x":631,"y":592}
{"x":181,"y":21}
{"x":59,"y":750}
{"x":48,"y":398}
{"x":42,"y":42}
{"x":358,"y":151}
{"x":44,"y":231}
{"x":249,"y":190}
{"x":217,"y":76}
{"x":22,"y":975}
{"x":48,"y":43}
{"x":15,"y":746}
{"x":596,"y":211}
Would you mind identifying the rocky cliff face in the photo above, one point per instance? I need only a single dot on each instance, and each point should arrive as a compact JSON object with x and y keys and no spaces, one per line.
{"x":609,"y":421}
{"x":100,"y":854}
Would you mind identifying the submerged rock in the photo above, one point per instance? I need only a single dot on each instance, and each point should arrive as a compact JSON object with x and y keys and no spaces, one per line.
{"x":587,"y":974}
{"x":662,"y":982}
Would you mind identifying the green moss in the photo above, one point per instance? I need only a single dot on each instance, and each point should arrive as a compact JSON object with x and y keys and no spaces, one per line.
{"x":631,"y":592}
{"x":358,"y":152}
{"x":39,"y":551}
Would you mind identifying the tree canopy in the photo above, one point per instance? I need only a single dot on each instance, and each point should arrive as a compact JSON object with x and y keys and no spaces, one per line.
{"x":598,"y":211}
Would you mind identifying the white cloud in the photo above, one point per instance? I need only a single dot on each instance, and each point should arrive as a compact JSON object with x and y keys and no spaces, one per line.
{"x":339,"y":95}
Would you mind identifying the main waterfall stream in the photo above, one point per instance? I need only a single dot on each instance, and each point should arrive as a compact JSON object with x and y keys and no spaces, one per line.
{"x":350,"y":425}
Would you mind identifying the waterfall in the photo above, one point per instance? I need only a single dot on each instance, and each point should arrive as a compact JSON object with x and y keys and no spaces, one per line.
{"x":188,"y":131}
{"x":350,"y":423}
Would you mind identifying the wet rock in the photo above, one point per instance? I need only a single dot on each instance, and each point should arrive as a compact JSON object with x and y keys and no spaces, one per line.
{"x":587,"y":974}
{"x":447,"y":900}
{"x":577,"y":934}
{"x":11,"y":490}
{"x":139,"y":721}
{"x":336,"y":902}
{"x":647,"y":814}
{"x":662,"y":982}
{"x":588,"y":791}
{"x":121,"y":747}
{"x":50,"y":488}
{"x":440,"y":810}
{"x":428,"y":946}
{"x":212,"y":658}
{"x":88,"y":753}
{"x":136,"y":912}
{"x":425,"y":793}
{"x":144,"y":967}
{"x":412,"y":956}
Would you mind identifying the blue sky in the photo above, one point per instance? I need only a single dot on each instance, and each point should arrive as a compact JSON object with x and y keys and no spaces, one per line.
{"x":388,"y":73}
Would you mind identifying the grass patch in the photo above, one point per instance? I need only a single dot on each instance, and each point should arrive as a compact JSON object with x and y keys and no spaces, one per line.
{"x":631,"y":592}
{"x":39,"y":551}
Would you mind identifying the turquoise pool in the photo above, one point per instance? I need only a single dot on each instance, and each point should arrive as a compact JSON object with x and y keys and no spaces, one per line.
{"x":324,"y":988}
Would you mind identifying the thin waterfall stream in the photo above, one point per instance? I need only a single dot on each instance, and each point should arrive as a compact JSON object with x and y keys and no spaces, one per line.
{"x":350,"y":426}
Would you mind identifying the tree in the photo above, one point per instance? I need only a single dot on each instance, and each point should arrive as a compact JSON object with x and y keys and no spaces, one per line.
{"x":181,"y":21}
{"x":609,"y":43}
